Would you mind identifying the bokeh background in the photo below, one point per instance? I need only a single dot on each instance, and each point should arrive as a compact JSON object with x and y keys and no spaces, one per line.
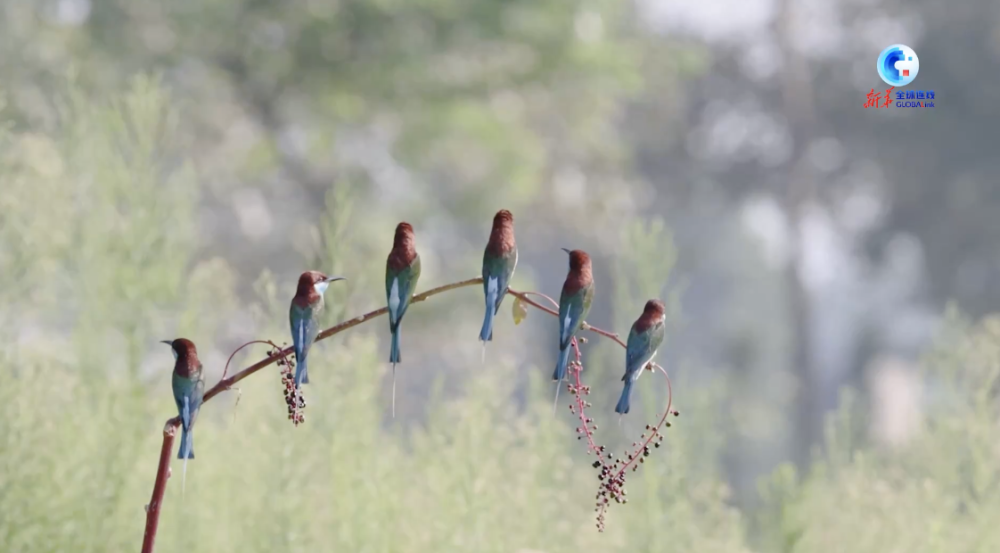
{"x":169,"y":168}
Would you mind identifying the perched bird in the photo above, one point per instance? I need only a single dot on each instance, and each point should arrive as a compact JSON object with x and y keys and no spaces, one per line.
{"x":643,"y":341}
{"x":574,"y":304}
{"x":189,"y":389}
{"x":499,"y":261}
{"x":304,"y":318}
{"x":402,"y":270}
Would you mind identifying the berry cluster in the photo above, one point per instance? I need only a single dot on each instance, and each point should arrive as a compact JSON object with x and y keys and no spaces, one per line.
{"x":294,"y":399}
{"x":612,"y":473}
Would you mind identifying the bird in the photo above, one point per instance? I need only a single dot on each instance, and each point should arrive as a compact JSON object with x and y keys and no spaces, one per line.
{"x":574,"y":304}
{"x":189,"y":389}
{"x":402,"y":270}
{"x":303,"y":315}
{"x":499,"y":262}
{"x":643,"y":341}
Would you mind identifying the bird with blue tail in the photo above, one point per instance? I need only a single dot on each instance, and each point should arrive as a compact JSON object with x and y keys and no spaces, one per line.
{"x":402,"y":270}
{"x":574,"y":304}
{"x":189,"y":389}
{"x":643,"y":340}
{"x":499,"y":262}
{"x":303,"y":315}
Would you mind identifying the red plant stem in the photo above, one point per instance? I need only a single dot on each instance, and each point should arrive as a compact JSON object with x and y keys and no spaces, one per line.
{"x":250,"y":343}
{"x":163,"y":470}
{"x":539,"y":294}
{"x":523,"y":296}
{"x":580,"y":403}
{"x":604,"y":333}
{"x":656,"y":429}
{"x":159,"y":486}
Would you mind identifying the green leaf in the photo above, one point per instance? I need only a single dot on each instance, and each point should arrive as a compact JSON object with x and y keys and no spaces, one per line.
{"x":520,"y":310}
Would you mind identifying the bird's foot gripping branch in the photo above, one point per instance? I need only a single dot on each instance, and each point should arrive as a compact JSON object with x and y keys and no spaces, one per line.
{"x":611,"y":474}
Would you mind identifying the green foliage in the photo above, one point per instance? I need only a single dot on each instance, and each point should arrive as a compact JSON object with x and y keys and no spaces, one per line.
{"x":936,"y":493}
{"x":99,"y":226}
{"x":646,"y":259}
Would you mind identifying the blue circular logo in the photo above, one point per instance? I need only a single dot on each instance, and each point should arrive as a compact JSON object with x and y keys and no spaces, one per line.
{"x":898,"y":65}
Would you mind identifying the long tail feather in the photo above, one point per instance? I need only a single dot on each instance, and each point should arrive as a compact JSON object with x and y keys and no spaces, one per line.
{"x":560,"y":372}
{"x":555,"y":402}
{"x":301,"y":371}
{"x":394,"y":356}
{"x":486,"y":334}
{"x":483,"y":360}
{"x":186,"y":449}
{"x":393,"y":390}
{"x":186,"y":452}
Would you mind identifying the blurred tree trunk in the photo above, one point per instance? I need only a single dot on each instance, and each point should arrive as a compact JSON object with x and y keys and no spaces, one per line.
{"x":797,"y":96}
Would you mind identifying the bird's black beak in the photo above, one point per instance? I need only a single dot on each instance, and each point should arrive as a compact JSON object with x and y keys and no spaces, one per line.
{"x":168,"y":342}
{"x":334,"y":278}
{"x":565,"y":250}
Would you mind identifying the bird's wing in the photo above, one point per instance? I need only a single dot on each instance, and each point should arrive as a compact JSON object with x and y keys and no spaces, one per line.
{"x":588,"y":298}
{"x":499,"y":269}
{"x":391,"y":290}
{"x":509,"y":263}
{"x":389,"y":275}
{"x":640,"y":349}
{"x":304,"y":329}
{"x":570,"y":317}
{"x":490,"y":265}
{"x":186,"y":411}
{"x":408,"y":278}
{"x":414,"y":277}
{"x":199,"y":389}
{"x":657,"y":334}
{"x":491,"y":287}
{"x":197,"y":395}
{"x":176,"y":385}
{"x":392,"y":301}
{"x":312,"y":327}
{"x":182,"y":388}
{"x":637,"y":352}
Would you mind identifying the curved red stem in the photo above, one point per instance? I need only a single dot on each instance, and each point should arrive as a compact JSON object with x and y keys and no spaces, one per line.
{"x":250,"y":343}
{"x":655,"y":431}
{"x":225,"y":383}
{"x":539,"y":294}
{"x":578,"y":392}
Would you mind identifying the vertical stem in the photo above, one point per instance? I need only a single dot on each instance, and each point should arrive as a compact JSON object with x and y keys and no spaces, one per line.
{"x":159,"y":487}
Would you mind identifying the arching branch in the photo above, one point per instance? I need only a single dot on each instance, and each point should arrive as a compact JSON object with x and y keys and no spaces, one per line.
{"x":226,"y":383}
